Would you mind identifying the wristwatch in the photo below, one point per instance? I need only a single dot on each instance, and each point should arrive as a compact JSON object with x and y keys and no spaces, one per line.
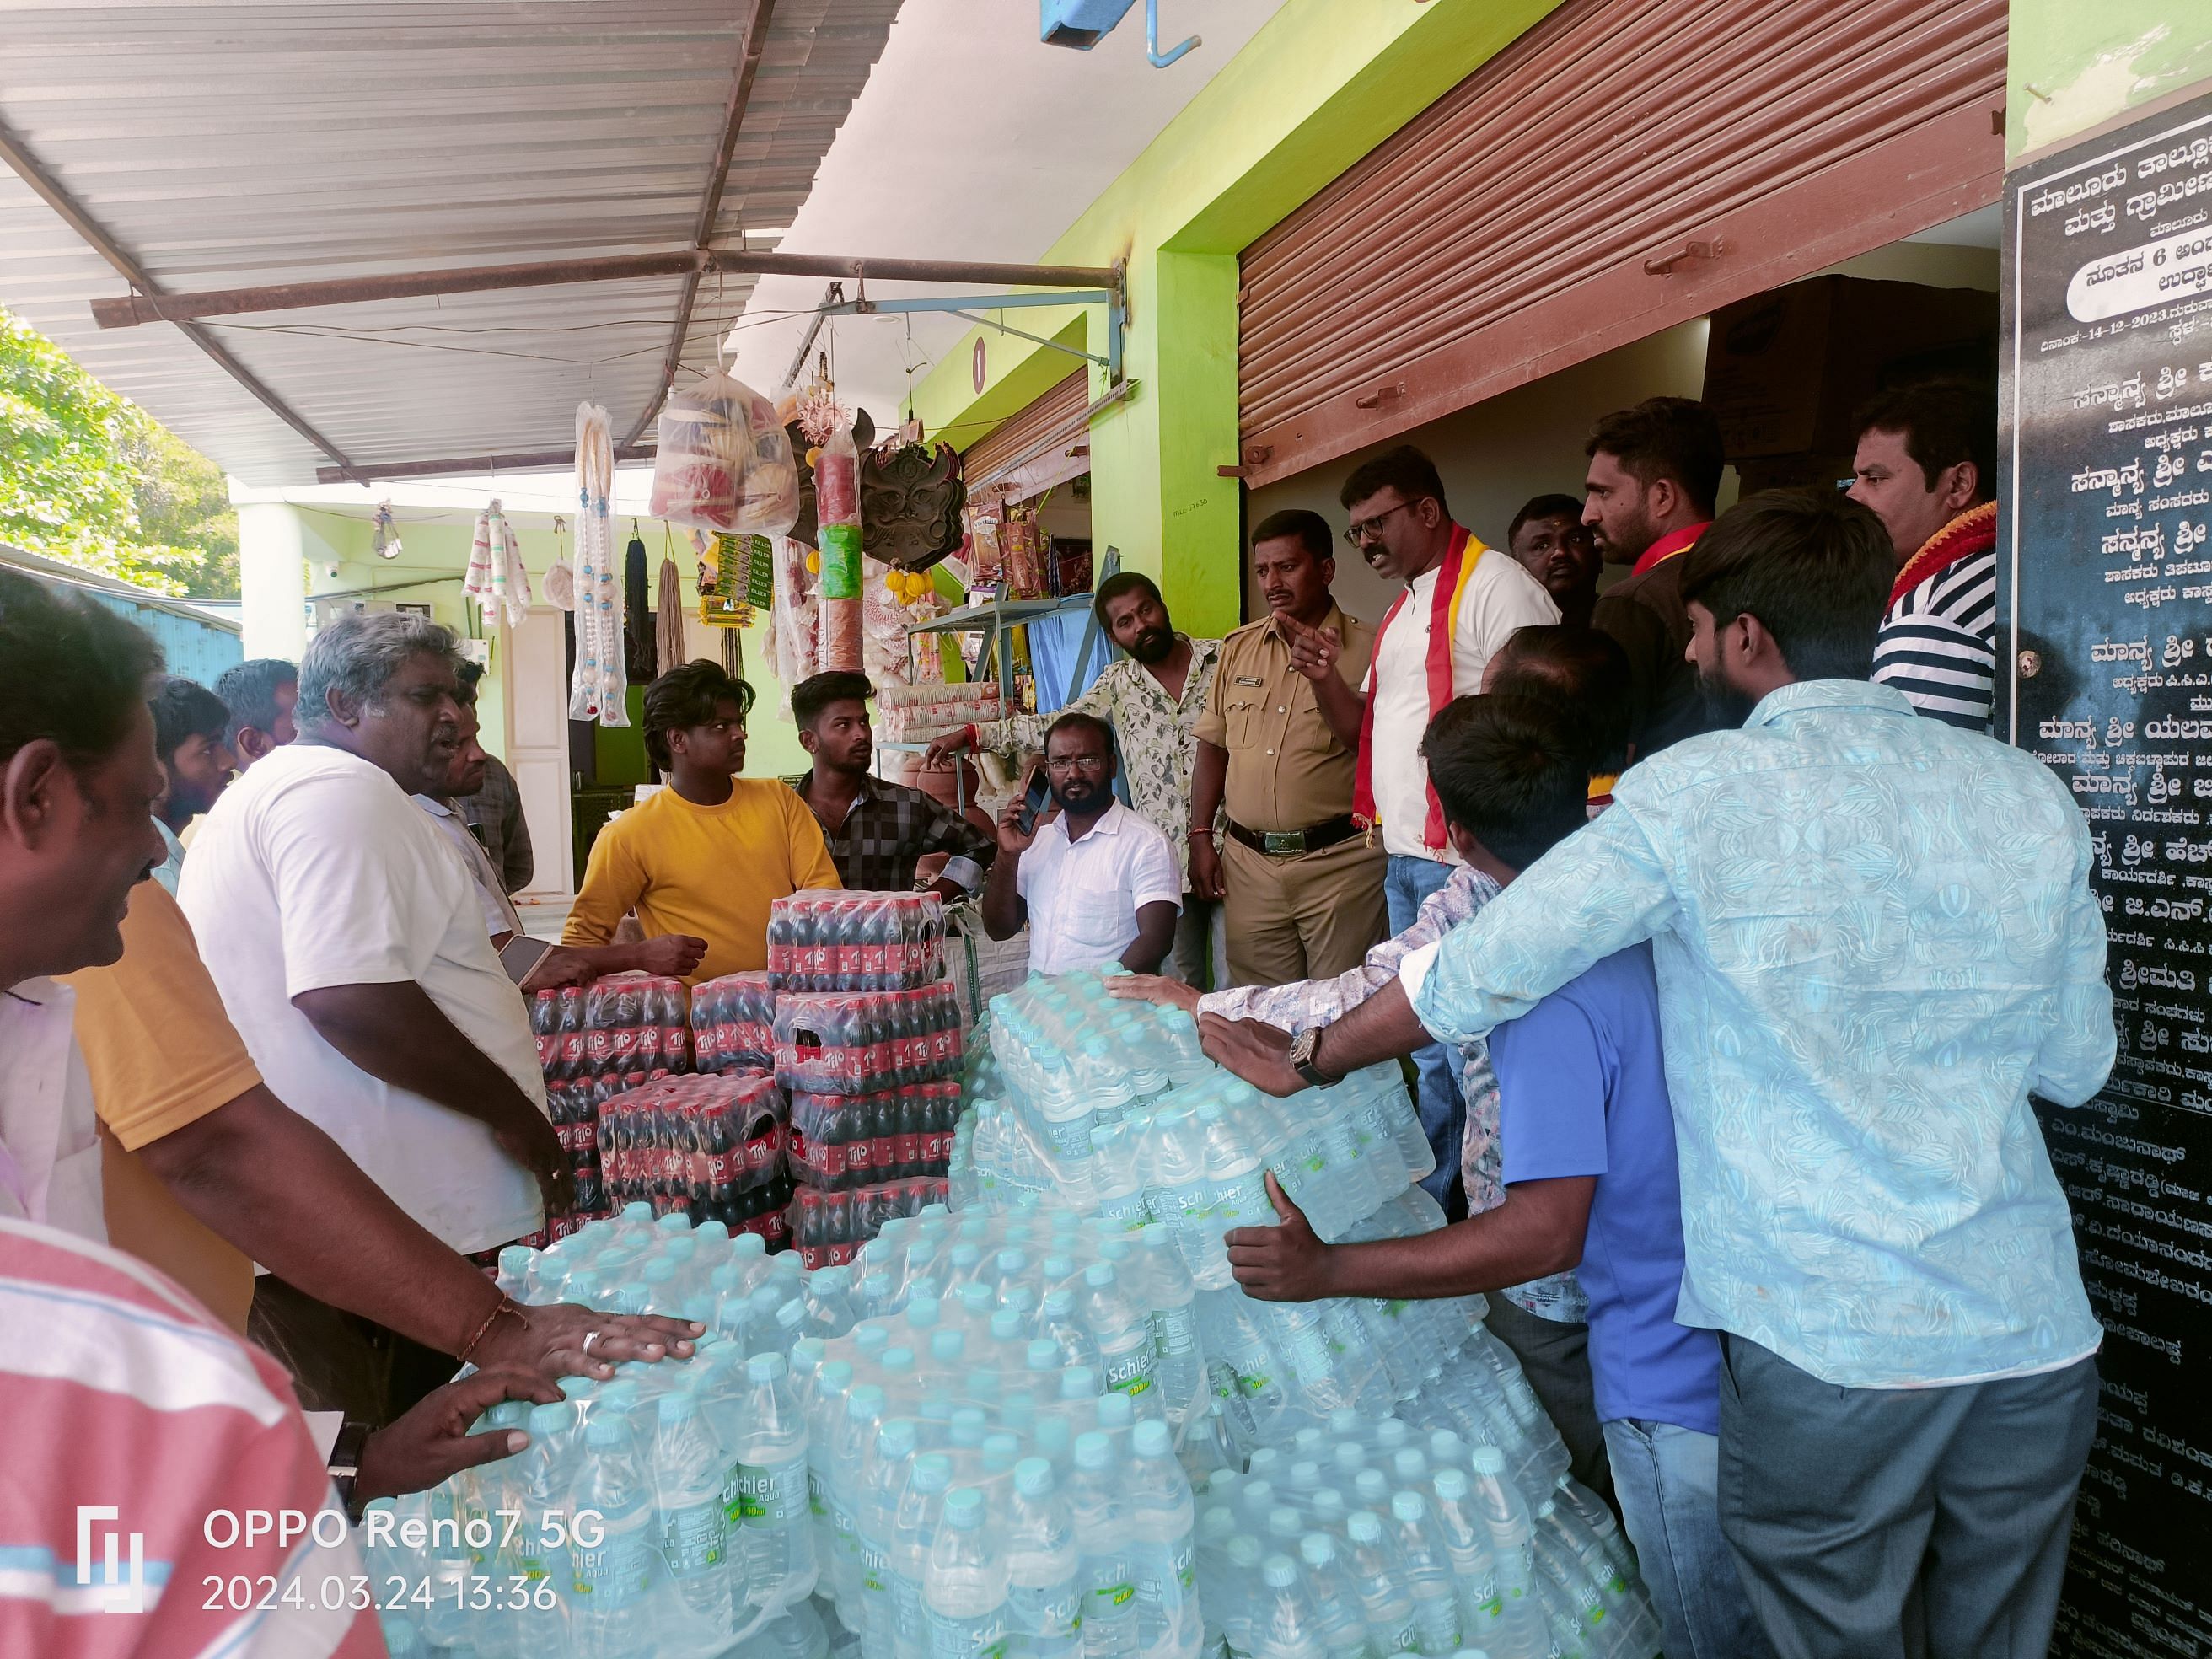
{"x":1303,"y":1048}
{"x":346,"y":1465}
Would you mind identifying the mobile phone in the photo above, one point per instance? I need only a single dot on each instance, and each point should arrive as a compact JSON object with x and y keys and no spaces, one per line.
{"x":1033,"y":802}
{"x":522,"y":954}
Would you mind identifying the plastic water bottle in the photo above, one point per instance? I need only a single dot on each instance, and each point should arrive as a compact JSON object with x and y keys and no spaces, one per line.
{"x":965,"y":1586}
{"x":1466,"y":1543}
{"x":613,"y":1563}
{"x":1100,"y":1502}
{"x":1059,"y":1322}
{"x":689,"y":1527}
{"x":1498,"y":1503}
{"x":1184,"y":1057}
{"x":1169,"y":1625}
{"x":771,"y":1458}
{"x":1378,"y":1582}
{"x":1179,"y":1368}
{"x":544,"y":1476}
{"x":851,"y":1441}
{"x":1123,"y":1335}
{"x":877,"y":1524}
{"x":516,"y":1263}
{"x":913,"y":1529}
{"x":1233,"y":1177}
{"x":1342,"y":1626}
{"x":1045,"y":1590}
{"x":1285,"y":1625}
{"x":1428,"y":1575}
{"x":1177,"y":1194}
{"x":1117,"y":1187}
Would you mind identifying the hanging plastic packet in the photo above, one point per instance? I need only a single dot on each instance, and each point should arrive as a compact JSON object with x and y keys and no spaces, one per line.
{"x":706,"y":443}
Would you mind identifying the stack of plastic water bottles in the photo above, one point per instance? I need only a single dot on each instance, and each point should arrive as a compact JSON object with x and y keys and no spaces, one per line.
{"x":1369,"y":1538}
{"x":1112,"y":1105}
{"x":994,"y":1444}
{"x":663,"y":1512}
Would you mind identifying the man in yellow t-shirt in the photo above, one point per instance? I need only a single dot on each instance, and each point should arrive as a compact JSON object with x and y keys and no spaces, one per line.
{"x":707,"y":853}
{"x":161,"y":1055}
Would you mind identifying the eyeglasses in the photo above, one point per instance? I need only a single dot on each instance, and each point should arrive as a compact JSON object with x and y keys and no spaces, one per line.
{"x":1368,"y":530}
{"x":1076,"y":763}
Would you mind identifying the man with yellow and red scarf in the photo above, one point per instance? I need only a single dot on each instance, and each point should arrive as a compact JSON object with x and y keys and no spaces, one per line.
{"x":1648,"y":495}
{"x":1927,"y":465}
{"x":1461,"y":602}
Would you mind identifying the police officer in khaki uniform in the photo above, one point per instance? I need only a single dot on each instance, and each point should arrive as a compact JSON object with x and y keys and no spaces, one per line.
{"x":1303,"y":885}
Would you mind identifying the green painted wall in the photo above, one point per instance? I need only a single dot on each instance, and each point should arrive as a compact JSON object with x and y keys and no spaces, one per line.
{"x":1315,"y":90}
{"x":2074,"y":65}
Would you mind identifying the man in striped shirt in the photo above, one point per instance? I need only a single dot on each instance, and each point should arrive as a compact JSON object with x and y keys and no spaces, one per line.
{"x":141,"y":1439}
{"x":1926,"y":464}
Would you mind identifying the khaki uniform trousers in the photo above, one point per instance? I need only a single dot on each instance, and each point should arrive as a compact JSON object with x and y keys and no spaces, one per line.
{"x":1309,"y":915}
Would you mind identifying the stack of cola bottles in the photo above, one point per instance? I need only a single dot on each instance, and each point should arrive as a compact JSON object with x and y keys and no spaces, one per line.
{"x":619,"y":1070}
{"x":866,"y":1039}
{"x":711,"y":1147}
{"x":834,"y":939}
{"x":733,"y":1024}
{"x":827,"y":1229}
{"x":593,"y":1044}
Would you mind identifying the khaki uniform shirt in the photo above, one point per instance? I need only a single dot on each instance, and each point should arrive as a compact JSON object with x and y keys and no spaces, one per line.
{"x":1286,"y":770}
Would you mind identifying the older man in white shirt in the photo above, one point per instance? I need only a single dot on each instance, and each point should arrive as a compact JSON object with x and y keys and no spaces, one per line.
{"x":346,"y":936}
{"x":1095,"y":883}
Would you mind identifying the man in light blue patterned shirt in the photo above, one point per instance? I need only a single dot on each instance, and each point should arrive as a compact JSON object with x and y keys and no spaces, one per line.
{"x":1874,"y":937}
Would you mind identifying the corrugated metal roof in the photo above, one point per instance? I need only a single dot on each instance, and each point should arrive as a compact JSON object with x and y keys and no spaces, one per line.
{"x":241,"y":144}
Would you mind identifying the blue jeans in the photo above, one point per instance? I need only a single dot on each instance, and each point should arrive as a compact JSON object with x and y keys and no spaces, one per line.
{"x":1406,"y":884}
{"x":1667,"y":1479}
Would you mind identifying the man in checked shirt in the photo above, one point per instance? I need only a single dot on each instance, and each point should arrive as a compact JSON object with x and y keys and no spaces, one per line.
{"x":877,"y":832}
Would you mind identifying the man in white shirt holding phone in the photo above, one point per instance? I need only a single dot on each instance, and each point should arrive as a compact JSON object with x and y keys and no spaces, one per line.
{"x":1095,"y":883}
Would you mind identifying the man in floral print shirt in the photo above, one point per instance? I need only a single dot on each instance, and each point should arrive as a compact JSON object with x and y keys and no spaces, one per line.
{"x":1153,"y":697}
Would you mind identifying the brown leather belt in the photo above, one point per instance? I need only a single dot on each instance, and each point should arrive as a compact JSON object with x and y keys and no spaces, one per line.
{"x":1288,"y":843}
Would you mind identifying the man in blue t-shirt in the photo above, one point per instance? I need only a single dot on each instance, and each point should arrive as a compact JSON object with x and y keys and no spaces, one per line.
{"x":1588,"y":1138}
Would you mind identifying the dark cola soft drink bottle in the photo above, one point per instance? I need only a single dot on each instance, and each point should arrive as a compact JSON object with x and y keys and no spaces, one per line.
{"x":910,"y":1107}
{"x":613,"y":1147}
{"x":929,"y":935}
{"x":724,"y":1150}
{"x":858,"y":1140}
{"x":797,"y":1146}
{"x":819,"y":1159}
{"x":779,"y":943}
{"x":835,"y":919}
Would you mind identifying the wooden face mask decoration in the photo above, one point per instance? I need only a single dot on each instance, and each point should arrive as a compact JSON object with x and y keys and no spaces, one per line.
{"x":911,"y":498}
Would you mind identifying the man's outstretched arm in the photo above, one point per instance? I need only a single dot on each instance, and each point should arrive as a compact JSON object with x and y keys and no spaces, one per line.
{"x":1537,"y":1231}
{"x":1382,"y":1028}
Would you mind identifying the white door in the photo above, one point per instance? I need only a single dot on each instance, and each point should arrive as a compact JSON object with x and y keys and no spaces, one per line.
{"x":535,"y":675}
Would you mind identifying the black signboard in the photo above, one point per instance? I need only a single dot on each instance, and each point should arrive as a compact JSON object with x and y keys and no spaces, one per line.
{"x":2104,"y":670}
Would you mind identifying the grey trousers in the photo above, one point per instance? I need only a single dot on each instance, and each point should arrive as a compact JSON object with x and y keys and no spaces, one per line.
{"x":1884,"y":1523}
{"x":1555,"y":1358}
{"x":1200,"y":954}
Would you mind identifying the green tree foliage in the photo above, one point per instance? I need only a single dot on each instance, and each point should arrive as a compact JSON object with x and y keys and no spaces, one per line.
{"x":90,"y":478}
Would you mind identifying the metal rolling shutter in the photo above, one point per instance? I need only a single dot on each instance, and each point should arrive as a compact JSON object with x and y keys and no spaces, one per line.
{"x":1622,"y":165}
{"x":1029,"y":450}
